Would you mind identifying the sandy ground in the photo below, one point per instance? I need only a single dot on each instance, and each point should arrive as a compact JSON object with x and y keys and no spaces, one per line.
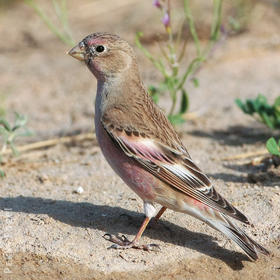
{"x":47,"y":231}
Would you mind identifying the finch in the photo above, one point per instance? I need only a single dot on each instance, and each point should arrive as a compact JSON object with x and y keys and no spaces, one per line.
{"x":144,"y":149}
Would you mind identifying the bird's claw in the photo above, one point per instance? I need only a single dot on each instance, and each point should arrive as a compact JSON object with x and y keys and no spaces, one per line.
{"x":124,"y":239}
{"x":121,"y":242}
{"x":151,"y":247}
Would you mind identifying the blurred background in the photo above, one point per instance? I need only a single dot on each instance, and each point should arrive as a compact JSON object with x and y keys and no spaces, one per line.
{"x":212,"y":66}
{"x":39,"y":80}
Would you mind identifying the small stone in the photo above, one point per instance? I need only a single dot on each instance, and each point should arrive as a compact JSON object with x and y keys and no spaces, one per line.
{"x":79,"y":190}
{"x":7,"y":270}
{"x":43,"y":178}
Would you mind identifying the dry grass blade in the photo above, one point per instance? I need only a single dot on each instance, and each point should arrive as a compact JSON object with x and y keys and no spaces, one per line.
{"x":247,"y":155}
{"x":53,"y":142}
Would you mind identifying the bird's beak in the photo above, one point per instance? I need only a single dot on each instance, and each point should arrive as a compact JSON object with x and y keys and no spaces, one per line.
{"x":77,"y":53}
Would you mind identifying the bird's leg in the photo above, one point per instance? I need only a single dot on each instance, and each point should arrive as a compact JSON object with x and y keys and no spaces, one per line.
{"x":123,"y":243}
{"x":160,"y":212}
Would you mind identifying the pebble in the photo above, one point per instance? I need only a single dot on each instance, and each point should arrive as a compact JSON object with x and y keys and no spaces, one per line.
{"x":79,"y":190}
{"x":43,"y":178}
{"x":7,"y":270}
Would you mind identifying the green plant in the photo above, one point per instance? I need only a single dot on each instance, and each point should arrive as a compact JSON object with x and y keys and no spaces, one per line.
{"x":59,"y":6}
{"x":9,"y":133}
{"x":2,"y":105}
{"x":174,"y":74}
{"x":239,"y":19}
{"x":266,"y":113}
{"x":273,"y":147}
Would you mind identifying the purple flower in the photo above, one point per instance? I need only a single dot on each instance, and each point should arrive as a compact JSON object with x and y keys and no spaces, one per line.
{"x":166,"y":20}
{"x":157,"y":4}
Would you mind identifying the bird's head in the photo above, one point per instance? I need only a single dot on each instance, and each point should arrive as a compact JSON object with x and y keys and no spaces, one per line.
{"x":106,"y":55}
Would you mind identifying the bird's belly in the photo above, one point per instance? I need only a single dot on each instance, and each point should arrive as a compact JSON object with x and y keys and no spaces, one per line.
{"x":146,"y":185}
{"x":131,"y":172}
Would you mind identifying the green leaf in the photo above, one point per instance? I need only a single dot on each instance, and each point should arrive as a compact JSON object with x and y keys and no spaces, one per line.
{"x":176,"y":119}
{"x":241,"y":105}
{"x":152,"y":89}
{"x":155,"y":97}
{"x":5,"y":124}
{"x":14,"y":149}
{"x":234,"y":24}
{"x":250,"y":105}
{"x":4,"y":132}
{"x":195,"y":82}
{"x":262,"y":99}
{"x":276,"y":107}
{"x":257,"y":104}
{"x":154,"y":93}
{"x":269,"y":114}
{"x":21,"y":121}
{"x":2,"y":173}
{"x":184,"y":102}
{"x":272,"y":146}
{"x":266,"y":119}
{"x":25,"y":133}
{"x":277,"y":102}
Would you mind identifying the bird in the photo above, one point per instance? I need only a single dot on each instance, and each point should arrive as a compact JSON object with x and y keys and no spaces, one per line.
{"x":144,"y":149}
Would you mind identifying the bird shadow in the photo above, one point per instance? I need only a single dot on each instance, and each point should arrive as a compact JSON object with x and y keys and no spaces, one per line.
{"x":267,"y":174}
{"x":228,"y":177}
{"x":244,"y":169}
{"x":254,"y":174}
{"x":115,"y":219}
{"x":236,"y":135}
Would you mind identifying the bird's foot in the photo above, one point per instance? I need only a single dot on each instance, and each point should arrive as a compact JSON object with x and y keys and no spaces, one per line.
{"x":121,"y":242}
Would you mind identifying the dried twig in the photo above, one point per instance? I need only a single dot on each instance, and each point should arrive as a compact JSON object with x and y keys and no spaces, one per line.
{"x":53,"y":142}
{"x":247,"y":155}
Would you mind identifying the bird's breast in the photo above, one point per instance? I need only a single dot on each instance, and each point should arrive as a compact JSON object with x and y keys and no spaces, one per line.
{"x":131,"y":172}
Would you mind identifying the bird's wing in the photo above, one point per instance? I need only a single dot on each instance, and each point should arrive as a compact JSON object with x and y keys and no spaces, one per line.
{"x":172,"y":166}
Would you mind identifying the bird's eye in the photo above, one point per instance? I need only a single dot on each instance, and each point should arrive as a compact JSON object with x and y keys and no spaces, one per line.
{"x":100,"y":48}
{"x":82,"y":45}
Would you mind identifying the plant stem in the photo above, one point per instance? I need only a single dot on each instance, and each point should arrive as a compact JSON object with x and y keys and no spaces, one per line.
{"x":172,"y":56}
{"x":64,"y":38}
{"x":157,"y":63}
{"x":174,"y":101}
{"x":215,"y":31}
{"x":192,"y":26}
{"x":190,"y":70}
{"x":215,"y":27}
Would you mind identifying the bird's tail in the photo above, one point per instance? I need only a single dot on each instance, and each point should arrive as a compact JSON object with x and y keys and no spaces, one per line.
{"x":228,"y":228}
